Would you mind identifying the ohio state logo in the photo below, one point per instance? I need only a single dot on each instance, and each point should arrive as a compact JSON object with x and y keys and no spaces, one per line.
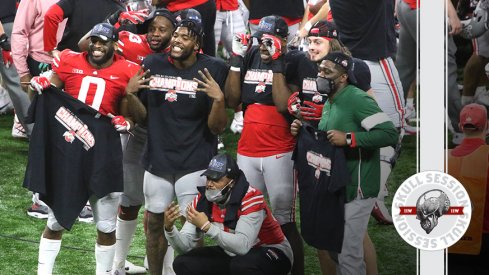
{"x":69,"y":136}
{"x":317,"y":98}
{"x":171,"y":96}
{"x":260,"y":87}
{"x":431,"y":210}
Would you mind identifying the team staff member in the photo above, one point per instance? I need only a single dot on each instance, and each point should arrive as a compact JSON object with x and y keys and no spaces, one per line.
{"x":207,"y":9}
{"x":266,"y":145}
{"x":184,"y":114}
{"x":469,"y":163}
{"x":156,"y":32}
{"x":353,"y":119}
{"x":99,"y":79}
{"x":236,"y":216}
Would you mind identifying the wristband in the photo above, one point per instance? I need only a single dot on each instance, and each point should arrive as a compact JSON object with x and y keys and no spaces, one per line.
{"x":204,"y":225}
{"x":236,"y":61}
{"x":278,"y":65}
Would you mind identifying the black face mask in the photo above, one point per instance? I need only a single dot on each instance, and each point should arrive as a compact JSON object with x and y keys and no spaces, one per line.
{"x":325,"y":85}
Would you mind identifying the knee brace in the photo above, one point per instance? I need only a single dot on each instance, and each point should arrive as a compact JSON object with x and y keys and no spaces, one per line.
{"x":106,"y":226}
{"x":390,"y":154}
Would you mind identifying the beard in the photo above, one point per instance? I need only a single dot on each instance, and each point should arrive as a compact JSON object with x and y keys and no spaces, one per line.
{"x":109,"y":54}
{"x":184,"y":55}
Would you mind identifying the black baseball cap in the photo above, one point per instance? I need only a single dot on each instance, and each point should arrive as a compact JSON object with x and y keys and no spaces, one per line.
{"x":191,"y":19}
{"x":272,"y":24}
{"x":362,"y":74}
{"x":344,"y":61}
{"x":143,"y":28}
{"x":104,"y":31}
{"x":222,"y":165}
{"x":325,"y":29}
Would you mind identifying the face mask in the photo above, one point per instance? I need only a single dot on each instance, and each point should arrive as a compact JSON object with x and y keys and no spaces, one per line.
{"x":216,"y":195}
{"x":325,"y":85}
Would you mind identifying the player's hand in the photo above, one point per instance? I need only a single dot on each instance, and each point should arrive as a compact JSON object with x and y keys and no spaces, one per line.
{"x":240,"y":44}
{"x":273,"y":45}
{"x":133,"y":17}
{"x":311,"y":111}
{"x":25,"y":82}
{"x":337,"y":138}
{"x":121,"y":125}
{"x":7,"y":58}
{"x":39,"y":83}
{"x":172,"y":213}
{"x":209,"y":86}
{"x":55,"y":54}
{"x":139,"y":81}
{"x":294,"y":104}
{"x":195,"y":217}
{"x":295,"y":126}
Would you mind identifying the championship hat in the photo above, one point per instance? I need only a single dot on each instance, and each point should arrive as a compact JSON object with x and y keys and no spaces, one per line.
{"x":344,"y":61}
{"x":325,"y":29}
{"x":272,"y":24}
{"x":222,"y":165}
{"x":104,"y":31}
{"x":143,"y":28}
{"x":191,"y":19}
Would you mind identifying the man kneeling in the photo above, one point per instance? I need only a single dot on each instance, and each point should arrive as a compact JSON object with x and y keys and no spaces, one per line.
{"x":235,"y":215}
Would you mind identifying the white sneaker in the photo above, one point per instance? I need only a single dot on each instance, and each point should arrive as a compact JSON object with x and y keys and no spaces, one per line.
{"x":237,"y":124}
{"x":119,"y":271}
{"x":131,"y":268}
{"x":17,"y":129}
{"x":410,"y":112}
{"x":410,"y":130}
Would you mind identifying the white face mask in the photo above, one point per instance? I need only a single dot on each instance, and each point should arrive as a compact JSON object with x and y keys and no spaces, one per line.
{"x":217,"y":195}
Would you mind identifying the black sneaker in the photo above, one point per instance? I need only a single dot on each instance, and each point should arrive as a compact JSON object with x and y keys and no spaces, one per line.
{"x":86,"y":215}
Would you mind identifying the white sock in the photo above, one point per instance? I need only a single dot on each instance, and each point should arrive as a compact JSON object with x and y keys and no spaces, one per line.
{"x":48,"y":251}
{"x":104,"y":256}
{"x":124,"y":235}
{"x":238,"y":116}
{"x":410,"y":102}
{"x":168,"y":260}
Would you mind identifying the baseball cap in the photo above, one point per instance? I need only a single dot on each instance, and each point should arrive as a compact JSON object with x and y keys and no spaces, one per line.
{"x":325,"y":29}
{"x":104,"y":31}
{"x":346,"y":62}
{"x":473,"y":116}
{"x":272,"y":24}
{"x":362,"y":74}
{"x":191,"y":19}
{"x":222,"y":165}
{"x":143,"y":28}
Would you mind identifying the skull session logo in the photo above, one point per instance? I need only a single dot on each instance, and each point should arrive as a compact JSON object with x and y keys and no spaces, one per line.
{"x":431,"y":210}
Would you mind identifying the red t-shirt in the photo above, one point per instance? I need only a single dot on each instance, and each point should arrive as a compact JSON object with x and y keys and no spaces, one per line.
{"x":413,"y":4}
{"x":227,"y":5}
{"x":176,"y":5}
{"x":102,"y":89}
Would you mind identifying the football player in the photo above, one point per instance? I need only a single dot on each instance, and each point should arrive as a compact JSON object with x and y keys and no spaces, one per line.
{"x":184,"y":114}
{"x":99,"y":79}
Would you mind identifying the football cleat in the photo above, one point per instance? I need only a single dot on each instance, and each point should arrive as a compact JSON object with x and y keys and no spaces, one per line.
{"x":86,"y":215}
{"x":381,"y":214}
{"x":38,"y":211}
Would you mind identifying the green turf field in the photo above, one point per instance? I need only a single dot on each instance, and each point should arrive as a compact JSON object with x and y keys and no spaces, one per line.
{"x":20,"y":234}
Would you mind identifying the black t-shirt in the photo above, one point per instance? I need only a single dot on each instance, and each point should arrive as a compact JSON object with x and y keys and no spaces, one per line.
{"x":286,"y":8}
{"x":257,"y":79}
{"x":179,"y":139}
{"x":73,"y":153}
{"x":302,"y":72}
{"x":322,"y":175}
{"x":82,"y":16}
{"x":366,"y":27}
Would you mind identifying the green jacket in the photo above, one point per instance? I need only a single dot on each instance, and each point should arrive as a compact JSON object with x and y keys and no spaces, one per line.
{"x":353,"y":110}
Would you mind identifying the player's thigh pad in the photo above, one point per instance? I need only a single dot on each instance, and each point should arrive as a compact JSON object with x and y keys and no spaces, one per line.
{"x":252,"y":167}
{"x":158,"y":192}
{"x":279,"y":180}
{"x":105,"y":211}
{"x":186,"y":188}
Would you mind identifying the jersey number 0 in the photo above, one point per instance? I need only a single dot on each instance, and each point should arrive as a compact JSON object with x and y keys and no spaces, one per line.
{"x":99,"y":92}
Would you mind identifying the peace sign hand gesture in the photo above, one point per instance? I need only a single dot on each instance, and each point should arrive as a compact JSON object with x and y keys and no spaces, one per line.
{"x":209,"y":86}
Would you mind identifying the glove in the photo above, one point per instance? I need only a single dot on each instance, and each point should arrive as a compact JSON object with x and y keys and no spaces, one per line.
{"x":294,"y":104}
{"x":121,"y":124}
{"x":6,"y":53}
{"x":7,"y":58}
{"x":311,"y":111}
{"x":114,"y":18}
{"x":44,"y":67}
{"x":273,"y":45}
{"x":39,"y":83}
{"x":132,"y":17}
{"x":240,"y":44}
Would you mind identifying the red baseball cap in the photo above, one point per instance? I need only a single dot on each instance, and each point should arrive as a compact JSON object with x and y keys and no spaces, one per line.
{"x":473,"y":116}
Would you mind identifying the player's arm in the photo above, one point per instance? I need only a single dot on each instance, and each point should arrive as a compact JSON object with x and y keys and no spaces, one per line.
{"x":281,"y":92}
{"x":53,"y":17}
{"x":232,"y":88}
{"x":244,"y":237}
{"x":217,"y":118}
{"x":135,"y":109}
{"x":84,"y":41}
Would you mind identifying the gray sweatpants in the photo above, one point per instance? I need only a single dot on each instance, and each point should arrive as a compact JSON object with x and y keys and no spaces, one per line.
{"x":406,"y":52}
{"x":11,"y":82}
{"x":454,"y":101}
